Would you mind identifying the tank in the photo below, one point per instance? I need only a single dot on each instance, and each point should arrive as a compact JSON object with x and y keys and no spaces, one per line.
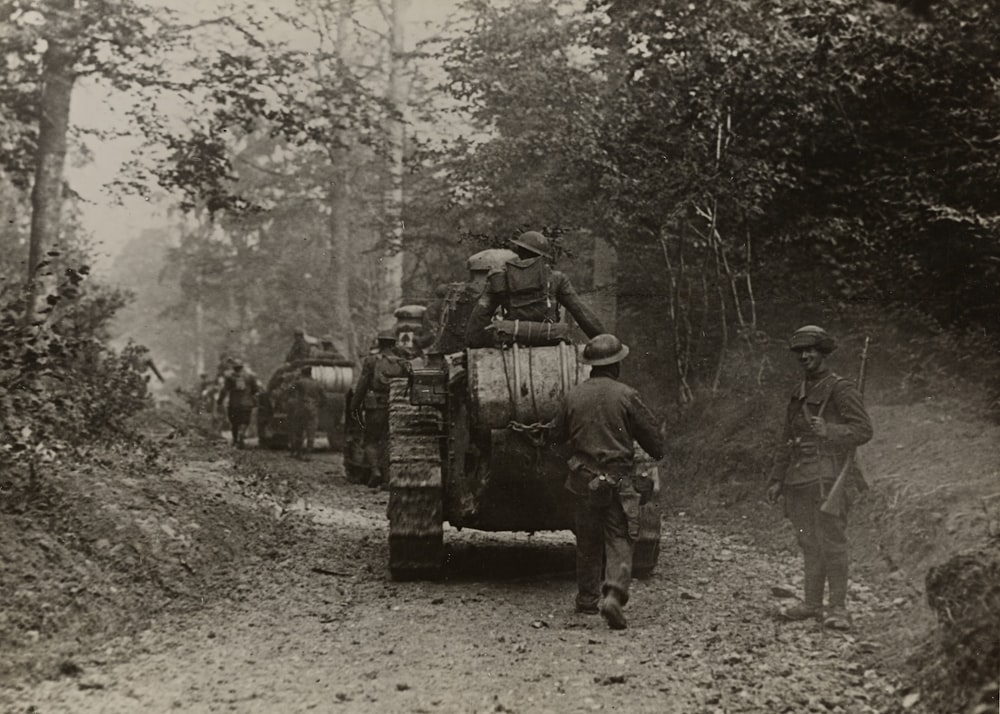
{"x":467,"y":446}
{"x":334,"y":375}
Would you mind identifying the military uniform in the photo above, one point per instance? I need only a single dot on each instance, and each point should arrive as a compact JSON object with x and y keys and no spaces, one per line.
{"x":530,"y":291}
{"x":806,"y":466}
{"x":601,"y":419}
{"x":372,"y":395}
{"x":240,"y":388}
{"x":304,"y":398}
{"x":300,"y":348}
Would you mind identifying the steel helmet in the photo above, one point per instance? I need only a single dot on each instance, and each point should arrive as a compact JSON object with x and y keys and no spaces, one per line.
{"x":387,"y":336}
{"x":533,"y":241}
{"x":489,"y":260}
{"x":812,"y":336}
{"x":604,"y":349}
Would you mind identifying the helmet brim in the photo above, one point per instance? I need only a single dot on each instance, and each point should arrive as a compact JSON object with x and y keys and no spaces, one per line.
{"x":611,"y":359}
{"x":533,"y":249}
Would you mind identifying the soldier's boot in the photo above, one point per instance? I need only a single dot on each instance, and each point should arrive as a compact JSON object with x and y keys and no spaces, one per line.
{"x":837,"y":617}
{"x":814,"y":576}
{"x":612,"y":610}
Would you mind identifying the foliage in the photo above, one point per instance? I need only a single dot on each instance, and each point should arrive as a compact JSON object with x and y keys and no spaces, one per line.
{"x":746,"y":158}
{"x":61,"y":388}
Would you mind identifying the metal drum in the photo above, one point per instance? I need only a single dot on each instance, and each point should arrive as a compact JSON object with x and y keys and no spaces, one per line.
{"x":333,"y":378}
{"x":522,"y":384}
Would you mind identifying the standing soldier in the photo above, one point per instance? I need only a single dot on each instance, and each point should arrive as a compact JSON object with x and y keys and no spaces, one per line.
{"x":304,"y":398}
{"x":528,"y":290}
{"x":240,"y":389}
{"x":601,"y":419}
{"x":372,"y":394}
{"x":825,"y":421}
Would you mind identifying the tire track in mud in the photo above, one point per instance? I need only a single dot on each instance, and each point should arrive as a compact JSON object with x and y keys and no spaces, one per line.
{"x":320,"y":627}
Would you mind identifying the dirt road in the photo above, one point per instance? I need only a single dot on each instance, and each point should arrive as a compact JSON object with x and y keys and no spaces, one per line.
{"x":318,"y":626}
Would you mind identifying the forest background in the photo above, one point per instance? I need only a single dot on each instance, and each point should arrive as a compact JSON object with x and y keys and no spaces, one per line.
{"x":715,"y":174}
{"x":737,"y":167}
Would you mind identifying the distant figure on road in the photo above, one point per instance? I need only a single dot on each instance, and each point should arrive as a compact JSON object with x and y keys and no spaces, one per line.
{"x":371,"y":394}
{"x":530,"y":292}
{"x":601,"y":419}
{"x":825,"y":421}
{"x":239,"y":390}
{"x":304,"y":399}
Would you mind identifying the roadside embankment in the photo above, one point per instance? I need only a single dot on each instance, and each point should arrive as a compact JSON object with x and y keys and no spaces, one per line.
{"x":925,"y":534}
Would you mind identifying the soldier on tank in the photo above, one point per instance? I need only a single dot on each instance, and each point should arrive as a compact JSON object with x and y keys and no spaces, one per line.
{"x":448,"y":316}
{"x":529,"y":291}
{"x":304,"y":398}
{"x":328,"y":349}
{"x":371,"y":394}
{"x":824,"y":422}
{"x":601,"y":418}
{"x":239,"y":391}
{"x":300,"y":348}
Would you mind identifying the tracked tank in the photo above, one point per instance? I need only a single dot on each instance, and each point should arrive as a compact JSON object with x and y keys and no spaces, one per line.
{"x":334,"y":375}
{"x":467,"y":446}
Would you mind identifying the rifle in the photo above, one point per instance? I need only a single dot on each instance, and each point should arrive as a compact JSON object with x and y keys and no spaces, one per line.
{"x":834,"y":503}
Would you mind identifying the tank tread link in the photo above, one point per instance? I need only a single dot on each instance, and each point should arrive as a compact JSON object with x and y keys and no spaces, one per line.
{"x":416,"y":489}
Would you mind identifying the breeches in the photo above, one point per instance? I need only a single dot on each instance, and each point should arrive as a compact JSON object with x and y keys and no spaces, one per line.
{"x":603,"y":550}
{"x":239,"y":416}
{"x":817,"y":532}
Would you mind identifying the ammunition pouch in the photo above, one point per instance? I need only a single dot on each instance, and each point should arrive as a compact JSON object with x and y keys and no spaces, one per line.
{"x":602,"y":488}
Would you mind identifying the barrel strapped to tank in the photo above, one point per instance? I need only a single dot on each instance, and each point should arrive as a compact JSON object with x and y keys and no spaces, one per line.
{"x":521,"y":384}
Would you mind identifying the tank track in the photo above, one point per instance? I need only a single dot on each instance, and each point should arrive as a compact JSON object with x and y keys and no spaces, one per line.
{"x":416,"y":523}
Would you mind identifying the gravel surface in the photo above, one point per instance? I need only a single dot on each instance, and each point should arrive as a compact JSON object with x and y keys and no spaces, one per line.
{"x":317,"y":625}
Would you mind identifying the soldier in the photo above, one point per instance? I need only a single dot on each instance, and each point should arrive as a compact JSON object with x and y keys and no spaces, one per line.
{"x":528,"y":290}
{"x":448,"y":316}
{"x":240,"y":388}
{"x":300,"y":348}
{"x":328,"y":349}
{"x":601,"y":419}
{"x":372,"y":394}
{"x":304,"y":399}
{"x":825,"y":421}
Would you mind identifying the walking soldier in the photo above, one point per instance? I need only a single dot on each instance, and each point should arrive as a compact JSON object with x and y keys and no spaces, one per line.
{"x":304,"y":399}
{"x":601,"y":419}
{"x":371,"y":394}
{"x":240,"y":388}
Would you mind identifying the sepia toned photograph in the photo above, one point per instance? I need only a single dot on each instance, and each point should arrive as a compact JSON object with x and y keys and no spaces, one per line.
{"x":500,"y":356}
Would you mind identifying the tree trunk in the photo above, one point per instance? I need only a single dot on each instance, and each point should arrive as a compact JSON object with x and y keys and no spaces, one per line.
{"x":339,"y":237}
{"x":391,"y":262}
{"x":58,"y":77}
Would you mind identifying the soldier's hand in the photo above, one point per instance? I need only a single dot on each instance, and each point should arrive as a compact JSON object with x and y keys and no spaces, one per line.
{"x":773,"y":493}
{"x":818,"y":426}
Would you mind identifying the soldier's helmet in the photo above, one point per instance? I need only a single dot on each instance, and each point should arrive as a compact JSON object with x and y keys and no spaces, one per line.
{"x":326,"y":340}
{"x":236,"y":363}
{"x":299,"y":332}
{"x":490,"y":260}
{"x":533,"y":241}
{"x":604,"y":349}
{"x":812,"y":336}
{"x":387,"y":336}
